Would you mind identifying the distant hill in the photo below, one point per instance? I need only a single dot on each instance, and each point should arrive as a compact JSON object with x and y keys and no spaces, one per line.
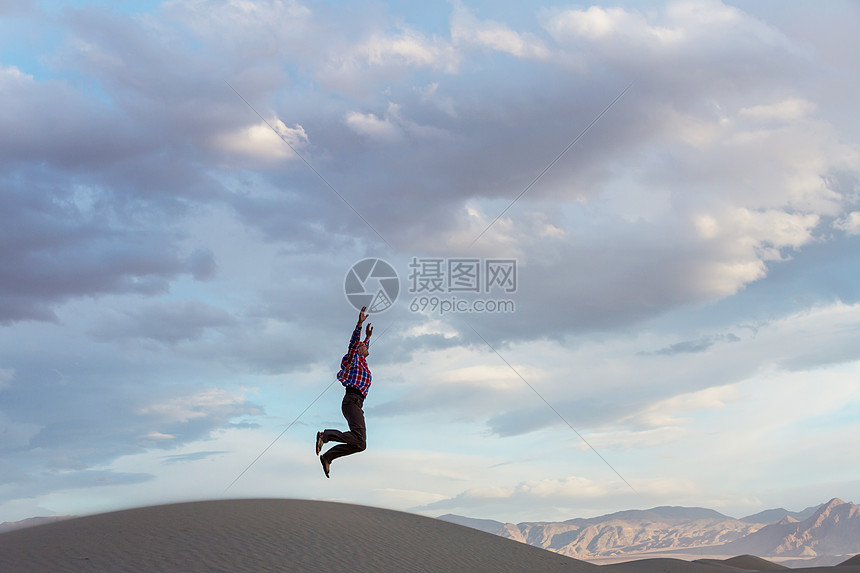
{"x":31,"y":522}
{"x":660,"y":528}
{"x":834,"y":529}
{"x":831,"y":529}
{"x":508,"y":530}
{"x":663,"y":514}
{"x":774,"y":515}
{"x":746,"y":562}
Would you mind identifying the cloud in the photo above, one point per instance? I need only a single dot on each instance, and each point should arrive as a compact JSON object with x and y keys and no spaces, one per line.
{"x":159,"y":246}
{"x":784,"y":111}
{"x":392,"y":127}
{"x":202,"y":264}
{"x":430,"y":95}
{"x":850,"y":223}
{"x":407,"y":48}
{"x":699,"y":345}
{"x":55,"y":248}
{"x":191,"y":457}
{"x":664,"y":413}
{"x":374,"y":127}
{"x":660,"y":392}
{"x":7,"y":375}
{"x":260,"y":142}
{"x":600,"y":23}
{"x":358,"y":66}
{"x":10,"y":77}
{"x":158,"y":436}
{"x":571,"y":491}
{"x":15,"y":435}
{"x":251,"y":23}
{"x":170,"y":322}
{"x":44,"y":482}
{"x":214,"y":402}
{"x":680,"y":32}
{"x":468,"y":31}
{"x":12,"y":8}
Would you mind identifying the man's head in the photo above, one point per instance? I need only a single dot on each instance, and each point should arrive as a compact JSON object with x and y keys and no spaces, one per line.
{"x":363,"y":350}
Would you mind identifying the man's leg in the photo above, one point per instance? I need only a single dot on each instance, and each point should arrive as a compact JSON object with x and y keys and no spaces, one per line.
{"x":353,"y":441}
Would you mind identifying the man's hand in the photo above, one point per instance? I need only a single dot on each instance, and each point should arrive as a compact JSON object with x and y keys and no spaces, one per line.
{"x":362,"y":316}
{"x":369,"y":330}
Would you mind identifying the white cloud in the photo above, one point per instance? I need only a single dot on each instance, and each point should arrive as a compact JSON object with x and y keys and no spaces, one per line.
{"x":466,"y":30}
{"x":850,"y":223}
{"x":11,"y":76}
{"x":358,"y":67}
{"x":676,"y":26}
{"x":744,"y":241}
{"x":260,"y":142}
{"x":489,"y":378}
{"x":368,"y":124}
{"x":502,"y":236}
{"x":407,"y":48}
{"x":666,"y":412}
{"x":199,"y":405}
{"x":786,"y":110}
{"x":598,"y":23}
{"x":392,"y":127}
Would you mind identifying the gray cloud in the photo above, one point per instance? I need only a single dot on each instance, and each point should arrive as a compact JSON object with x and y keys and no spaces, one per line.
{"x":54,"y":249}
{"x":699,"y":345}
{"x":153,"y":233}
{"x":492,"y":149}
{"x":165,"y":322}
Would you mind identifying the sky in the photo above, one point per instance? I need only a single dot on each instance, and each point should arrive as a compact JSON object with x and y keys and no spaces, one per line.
{"x":625,"y":236}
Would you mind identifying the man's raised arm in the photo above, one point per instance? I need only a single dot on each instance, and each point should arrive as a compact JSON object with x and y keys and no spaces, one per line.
{"x":356,"y":334}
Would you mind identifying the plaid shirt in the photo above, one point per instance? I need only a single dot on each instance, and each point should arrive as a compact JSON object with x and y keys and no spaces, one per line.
{"x":353,"y":367}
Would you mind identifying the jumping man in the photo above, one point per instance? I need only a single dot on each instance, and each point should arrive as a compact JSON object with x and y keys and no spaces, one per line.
{"x":355,"y":376}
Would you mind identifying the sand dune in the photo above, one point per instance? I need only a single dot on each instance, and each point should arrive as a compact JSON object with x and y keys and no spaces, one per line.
{"x":293,"y":535}
{"x":746,"y":562}
{"x":667,"y":565}
{"x":268,"y":535}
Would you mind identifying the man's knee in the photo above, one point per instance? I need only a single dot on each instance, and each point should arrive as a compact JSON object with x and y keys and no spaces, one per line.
{"x":361,"y":445}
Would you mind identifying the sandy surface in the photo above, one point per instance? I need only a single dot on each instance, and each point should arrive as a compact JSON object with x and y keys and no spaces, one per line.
{"x":750,"y":563}
{"x":294,"y":535}
{"x":268,"y":535}
{"x":741,"y":564}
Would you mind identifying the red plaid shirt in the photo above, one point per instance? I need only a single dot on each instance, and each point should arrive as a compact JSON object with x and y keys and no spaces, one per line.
{"x":353,"y":367}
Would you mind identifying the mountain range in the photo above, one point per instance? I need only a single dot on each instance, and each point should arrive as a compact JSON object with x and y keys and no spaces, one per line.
{"x":828,"y":533}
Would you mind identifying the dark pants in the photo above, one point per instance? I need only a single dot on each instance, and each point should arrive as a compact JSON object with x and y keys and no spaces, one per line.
{"x":353,"y":441}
